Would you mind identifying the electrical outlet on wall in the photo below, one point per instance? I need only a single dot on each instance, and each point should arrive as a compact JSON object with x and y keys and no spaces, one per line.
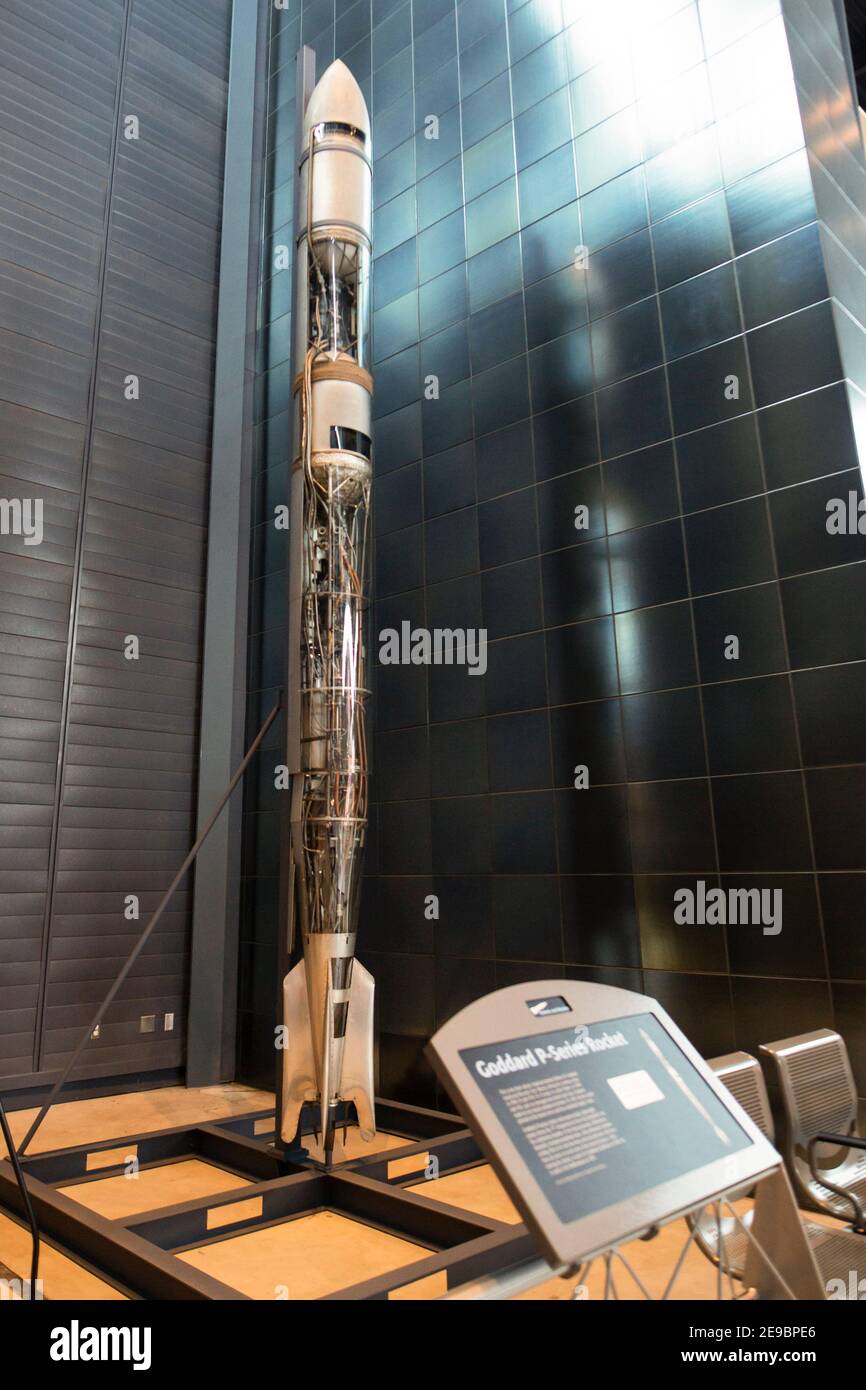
{"x":168,"y":1022}
{"x":148,"y":1023}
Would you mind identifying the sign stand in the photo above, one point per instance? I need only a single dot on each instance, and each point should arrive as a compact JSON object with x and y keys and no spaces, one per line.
{"x":603,"y":1124}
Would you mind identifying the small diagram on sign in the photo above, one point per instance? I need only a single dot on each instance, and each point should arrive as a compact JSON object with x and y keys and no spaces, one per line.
{"x":635,"y":1089}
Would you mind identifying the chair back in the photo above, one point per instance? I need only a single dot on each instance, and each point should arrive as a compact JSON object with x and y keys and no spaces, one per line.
{"x":818,"y":1093}
{"x":741,"y":1074}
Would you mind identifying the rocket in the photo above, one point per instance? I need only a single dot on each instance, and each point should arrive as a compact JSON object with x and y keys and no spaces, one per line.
{"x":327,"y":999}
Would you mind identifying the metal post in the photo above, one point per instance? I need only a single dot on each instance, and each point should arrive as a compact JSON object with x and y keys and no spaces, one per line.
{"x":305,"y":81}
{"x":216,"y":901}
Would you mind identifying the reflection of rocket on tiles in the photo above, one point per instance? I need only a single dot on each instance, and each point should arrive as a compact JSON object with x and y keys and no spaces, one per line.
{"x":678,"y":1080}
{"x":328,"y":996}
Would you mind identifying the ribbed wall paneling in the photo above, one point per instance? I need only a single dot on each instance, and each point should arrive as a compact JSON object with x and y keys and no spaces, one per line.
{"x":130,"y":755}
{"x":58,"y":80}
{"x":108,"y":266}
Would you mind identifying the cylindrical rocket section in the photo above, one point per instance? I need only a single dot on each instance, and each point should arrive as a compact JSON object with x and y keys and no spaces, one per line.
{"x":333,"y":434}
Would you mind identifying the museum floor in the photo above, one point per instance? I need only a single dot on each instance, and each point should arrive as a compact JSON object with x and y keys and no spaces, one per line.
{"x":309,"y":1255}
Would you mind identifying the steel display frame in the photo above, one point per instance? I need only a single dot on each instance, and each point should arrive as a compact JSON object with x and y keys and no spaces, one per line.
{"x":468,"y":1255}
{"x":137,"y":1254}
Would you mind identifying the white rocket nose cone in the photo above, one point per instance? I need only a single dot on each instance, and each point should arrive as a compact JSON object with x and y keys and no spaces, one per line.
{"x":337,"y":97}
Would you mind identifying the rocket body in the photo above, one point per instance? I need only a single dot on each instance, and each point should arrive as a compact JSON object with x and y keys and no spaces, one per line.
{"x":328,"y":996}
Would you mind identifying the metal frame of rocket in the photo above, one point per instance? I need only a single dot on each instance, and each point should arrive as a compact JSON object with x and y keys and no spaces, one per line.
{"x":327,"y":999}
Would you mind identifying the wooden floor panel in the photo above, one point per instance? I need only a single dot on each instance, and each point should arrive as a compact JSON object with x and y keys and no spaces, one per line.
{"x":135,"y":1112}
{"x":306,"y":1258}
{"x":61,"y":1277}
{"x":125,"y":1194}
{"x":476,"y":1190}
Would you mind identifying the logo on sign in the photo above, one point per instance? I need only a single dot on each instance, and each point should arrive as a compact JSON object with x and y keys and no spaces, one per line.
{"x":543,"y":1008}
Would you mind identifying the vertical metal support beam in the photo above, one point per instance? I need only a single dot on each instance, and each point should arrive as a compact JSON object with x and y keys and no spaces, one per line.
{"x":212,"y":1017}
{"x":305,"y":81}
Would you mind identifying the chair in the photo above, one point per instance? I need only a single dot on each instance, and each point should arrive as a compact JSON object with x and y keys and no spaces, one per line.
{"x":825,"y":1155}
{"x":741,"y":1074}
{"x":837,"y":1252}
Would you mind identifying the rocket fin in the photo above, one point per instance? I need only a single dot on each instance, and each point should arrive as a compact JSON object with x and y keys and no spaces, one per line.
{"x":299,"y":1065}
{"x":325,"y":1114}
{"x":358,"y":1085}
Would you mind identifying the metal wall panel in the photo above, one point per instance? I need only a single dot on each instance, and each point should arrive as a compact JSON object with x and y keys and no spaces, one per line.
{"x":108,"y":267}
{"x":56,"y":118}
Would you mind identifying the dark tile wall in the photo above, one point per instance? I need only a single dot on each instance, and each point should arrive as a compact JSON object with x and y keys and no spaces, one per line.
{"x":633,"y":260}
